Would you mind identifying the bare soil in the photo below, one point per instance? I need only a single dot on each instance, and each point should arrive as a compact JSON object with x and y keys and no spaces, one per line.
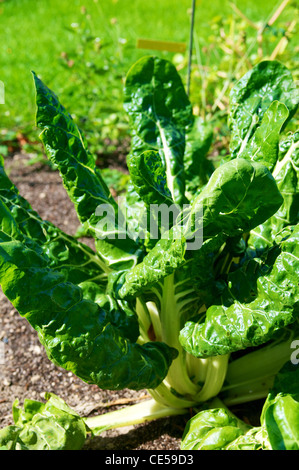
{"x":28,"y":373}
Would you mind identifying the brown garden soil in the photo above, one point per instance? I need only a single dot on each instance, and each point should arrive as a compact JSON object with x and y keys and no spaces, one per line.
{"x":28,"y":373}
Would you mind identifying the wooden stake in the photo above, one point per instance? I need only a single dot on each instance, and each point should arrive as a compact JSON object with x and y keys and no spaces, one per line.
{"x":190,"y":47}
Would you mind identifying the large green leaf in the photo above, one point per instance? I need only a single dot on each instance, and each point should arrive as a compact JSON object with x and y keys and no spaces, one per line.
{"x":160,"y":113}
{"x":198,"y":168}
{"x":216,"y":428}
{"x":149,"y":178}
{"x":245,"y":322}
{"x":280,"y":414}
{"x":233,"y":202}
{"x":77,"y":261}
{"x":285,"y":173}
{"x":251,"y":97}
{"x":77,"y":333}
{"x":264,"y":144}
{"x":121,"y":314}
{"x":44,"y":426}
{"x":239,"y":196}
{"x":66,"y":148}
{"x":219,"y":429}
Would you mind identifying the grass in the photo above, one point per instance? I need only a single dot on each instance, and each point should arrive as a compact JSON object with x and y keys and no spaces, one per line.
{"x":83,"y":49}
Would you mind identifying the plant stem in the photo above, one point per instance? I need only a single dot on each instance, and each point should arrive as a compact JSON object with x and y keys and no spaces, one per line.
{"x":250,"y":377}
{"x":143,"y":320}
{"x":216,"y":373}
{"x":135,"y":414}
{"x":177,"y":376}
{"x":165,"y":395}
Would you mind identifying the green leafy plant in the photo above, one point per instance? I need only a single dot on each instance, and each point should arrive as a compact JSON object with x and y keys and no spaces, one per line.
{"x":192,"y":289}
{"x":44,"y":426}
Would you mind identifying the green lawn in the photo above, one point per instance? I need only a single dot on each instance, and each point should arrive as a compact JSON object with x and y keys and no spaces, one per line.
{"x":83,"y":48}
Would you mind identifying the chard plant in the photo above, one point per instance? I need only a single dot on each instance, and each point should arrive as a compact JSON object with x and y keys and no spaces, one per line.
{"x":192,"y":289}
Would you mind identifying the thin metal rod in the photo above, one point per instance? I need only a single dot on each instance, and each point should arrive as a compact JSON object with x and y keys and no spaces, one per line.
{"x":190,"y":46}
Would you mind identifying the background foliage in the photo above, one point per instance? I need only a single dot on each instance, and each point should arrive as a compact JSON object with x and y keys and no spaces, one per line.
{"x":84,"y":48}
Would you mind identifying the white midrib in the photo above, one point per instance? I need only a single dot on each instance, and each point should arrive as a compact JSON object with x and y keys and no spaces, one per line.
{"x":285,"y":159}
{"x":167,"y":154}
{"x":177,"y":376}
{"x":254,"y":121}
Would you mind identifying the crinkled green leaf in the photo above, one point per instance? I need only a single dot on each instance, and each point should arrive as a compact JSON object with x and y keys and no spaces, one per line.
{"x":280,"y":414}
{"x":77,"y":333}
{"x":9,"y":437}
{"x":44,"y":426}
{"x":66,"y":148}
{"x":198,"y":168}
{"x":149,"y":178}
{"x":264,"y":144}
{"x":122,"y":315}
{"x":231,"y":203}
{"x":160,"y":113}
{"x":238,"y":197}
{"x":282,"y":423}
{"x":247,"y":323}
{"x":78,"y":262}
{"x":200,"y":269}
{"x":162,"y":260}
{"x":218,"y":429}
{"x":286,"y":176}
{"x":251,"y":97}
{"x":137,"y":216}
